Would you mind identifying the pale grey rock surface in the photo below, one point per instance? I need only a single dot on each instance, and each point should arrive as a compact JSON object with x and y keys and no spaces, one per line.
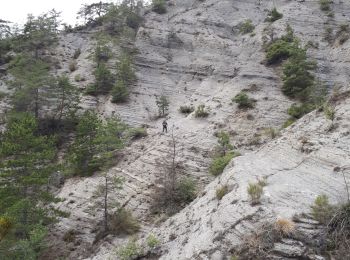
{"x":195,"y":55}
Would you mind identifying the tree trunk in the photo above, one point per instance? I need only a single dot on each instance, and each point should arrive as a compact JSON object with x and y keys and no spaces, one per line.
{"x":106,"y":205}
{"x":36,"y":108}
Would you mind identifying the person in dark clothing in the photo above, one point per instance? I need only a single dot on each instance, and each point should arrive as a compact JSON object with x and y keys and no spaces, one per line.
{"x":165,"y":126}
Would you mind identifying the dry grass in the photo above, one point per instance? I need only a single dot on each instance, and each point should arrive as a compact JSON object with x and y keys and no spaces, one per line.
{"x":285,"y":226}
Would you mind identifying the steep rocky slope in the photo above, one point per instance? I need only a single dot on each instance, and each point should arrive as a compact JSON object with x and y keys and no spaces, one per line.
{"x":195,"y":55}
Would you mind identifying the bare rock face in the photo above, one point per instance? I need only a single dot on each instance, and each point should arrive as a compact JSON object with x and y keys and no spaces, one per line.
{"x":294,"y":179}
{"x":195,"y":55}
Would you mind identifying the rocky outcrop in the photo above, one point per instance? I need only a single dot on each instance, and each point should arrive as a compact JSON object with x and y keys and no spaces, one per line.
{"x":295,"y":177}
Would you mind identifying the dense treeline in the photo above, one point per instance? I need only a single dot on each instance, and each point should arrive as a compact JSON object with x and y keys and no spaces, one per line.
{"x":44,"y":111}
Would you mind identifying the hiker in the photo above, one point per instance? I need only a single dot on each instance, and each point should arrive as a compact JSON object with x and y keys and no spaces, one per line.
{"x":165,"y":126}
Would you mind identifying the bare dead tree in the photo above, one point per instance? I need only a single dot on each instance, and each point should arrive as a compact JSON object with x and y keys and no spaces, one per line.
{"x":103,"y":191}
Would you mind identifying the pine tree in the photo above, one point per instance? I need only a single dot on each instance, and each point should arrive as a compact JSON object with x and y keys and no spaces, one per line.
{"x":125,"y":71}
{"x":31,"y":77}
{"x":26,"y":162}
{"x":163,"y":105}
{"x":120,"y":92}
{"x":95,"y":143}
{"x":39,"y":33}
{"x":67,"y":96}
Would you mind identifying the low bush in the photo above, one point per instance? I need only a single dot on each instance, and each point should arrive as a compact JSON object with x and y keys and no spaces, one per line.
{"x":133,"y":20}
{"x":6,"y":224}
{"x":273,"y":15}
{"x":224,"y":143}
{"x":298,"y":111}
{"x":285,"y":226}
{"x":186,"y":190}
{"x":152,"y":241}
{"x":219,"y":163}
{"x":159,"y":6}
{"x":69,"y":236}
{"x":255,"y":190}
{"x":280,"y":50}
{"x":130,"y":251}
{"x":343,"y":33}
{"x":201,"y":111}
{"x":243,"y":100}
{"x":2,"y":95}
{"x":77,"y":53}
{"x":325,"y":5}
{"x":221,"y":192}
{"x":289,"y":122}
{"x":186,"y":109}
{"x":328,"y":34}
{"x":336,"y":219}
{"x":102,"y":53}
{"x":173,"y":195}
{"x":122,"y":222}
{"x":329,"y":111}
{"x":73,"y":66}
{"x":120,"y":92}
{"x":322,"y":210}
{"x":137,"y":133}
{"x":271,"y":132}
{"x":246,"y":27}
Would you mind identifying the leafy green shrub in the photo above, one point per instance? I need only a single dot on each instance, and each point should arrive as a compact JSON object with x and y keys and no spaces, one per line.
{"x":201,"y":111}
{"x":152,"y":241}
{"x":325,"y":5}
{"x":243,"y":100}
{"x":343,"y":33}
{"x":186,"y":190}
{"x":298,"y":111}
{"x":312,"y":44}
{"x":159,"y":6}
{"x":173,"y":195}
{"x":136,"y":133}
{"x":255,"y":190}
{"x":122,"y":222}
{"x":344,"y":37}
{"x":221,"y":192}
{"x":186,"y":109}
{"x":289,"y":122}
{"x":246,"y":27}
{"x":273,"y":15}
{"x":130,"y":251}
{"x":219,"y":163}
{"x":280,"y":50}
{"x":133,"y":20}
{"x":321,"y":209}
{"x":120,"y":92}
{"x":328,"y":34}
{"x":102,"y":52}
